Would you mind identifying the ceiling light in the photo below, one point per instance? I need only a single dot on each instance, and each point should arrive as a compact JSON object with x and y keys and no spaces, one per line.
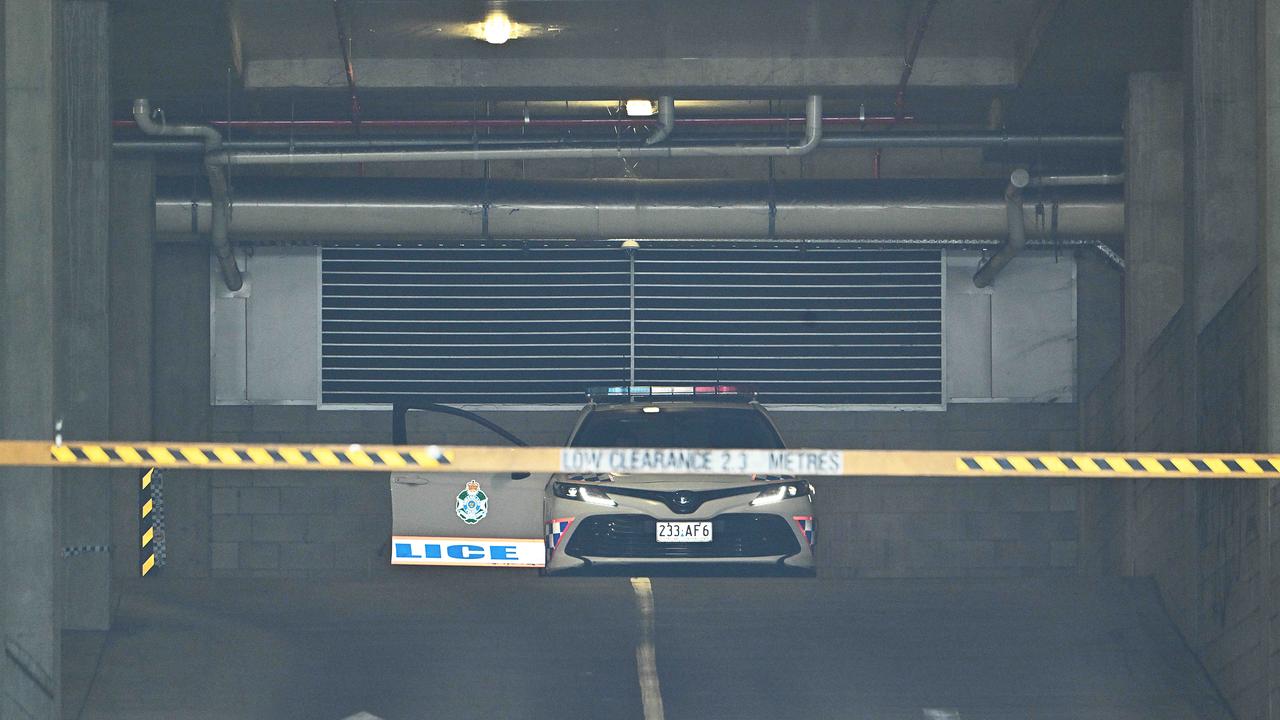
{"x":641,"y":108}
{"x":497,"y":28}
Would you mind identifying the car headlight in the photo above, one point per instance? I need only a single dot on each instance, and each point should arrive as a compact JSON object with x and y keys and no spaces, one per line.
{"x":584,"y":493}
{"x":781,"y":491}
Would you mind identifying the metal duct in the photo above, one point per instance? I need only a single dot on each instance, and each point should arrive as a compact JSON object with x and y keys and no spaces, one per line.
{"x":377,"y":208}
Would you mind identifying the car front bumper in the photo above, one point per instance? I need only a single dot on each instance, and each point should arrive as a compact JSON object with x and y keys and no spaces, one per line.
{"x":580,"y":535}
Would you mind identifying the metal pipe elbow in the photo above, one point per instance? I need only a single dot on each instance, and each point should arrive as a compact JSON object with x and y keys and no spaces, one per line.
{"x":142,"y":116}
{"x":1017,"y":231}
{"x":812,"y":127}
{"x":666,"y":120}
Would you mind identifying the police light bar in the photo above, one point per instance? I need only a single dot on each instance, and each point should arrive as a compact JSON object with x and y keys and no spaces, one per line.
{"x":672,"y":392}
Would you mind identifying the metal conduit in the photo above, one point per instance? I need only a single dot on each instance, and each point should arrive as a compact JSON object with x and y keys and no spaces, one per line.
{"x":475,"y":124}
{"x":212,"y":142}
{"x":861,"y":140}
{"x":812,"y":136}
{"x":666,"y":120}
{"x":1017,"y":239}
{"x":1016,"y":215}
{"x":1076,"y":180}
{"x":395,"y":209}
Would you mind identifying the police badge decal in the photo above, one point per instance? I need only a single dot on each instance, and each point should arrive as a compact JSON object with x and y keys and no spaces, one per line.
{"x":473,"y":504}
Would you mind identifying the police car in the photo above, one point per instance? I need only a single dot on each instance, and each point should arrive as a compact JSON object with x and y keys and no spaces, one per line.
{"x":604,"y":519}
{"x":723,"y":514}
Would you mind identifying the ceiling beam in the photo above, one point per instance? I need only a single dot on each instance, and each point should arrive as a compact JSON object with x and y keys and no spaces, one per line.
{"x":1025,"y":50}
{"x":236,"y":47}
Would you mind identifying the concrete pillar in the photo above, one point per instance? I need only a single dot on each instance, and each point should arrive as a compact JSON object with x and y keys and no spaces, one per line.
{"x":1154,"y":249}
{"x":30,"y":665}
{"x":1224,"y":293}
{"x":1269,"y":159}
{"x":82,"y":367}
{"x":131,"y":287}
{"x":1159,"y":341}
{"x":1222,"y":161}
{"x":1269,"y":223}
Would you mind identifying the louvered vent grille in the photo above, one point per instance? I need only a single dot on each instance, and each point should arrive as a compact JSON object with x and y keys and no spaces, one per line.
{"x":860,"y":327}
{"x":538,"y":326}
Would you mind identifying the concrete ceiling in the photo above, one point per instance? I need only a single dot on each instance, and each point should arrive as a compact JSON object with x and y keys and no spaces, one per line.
{"x":751,"y":47}
{"x":1057,"y":64}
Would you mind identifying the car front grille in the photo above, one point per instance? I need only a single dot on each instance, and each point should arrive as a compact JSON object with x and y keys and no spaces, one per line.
{"x":684,"y":502}
{"x":635,"y":536}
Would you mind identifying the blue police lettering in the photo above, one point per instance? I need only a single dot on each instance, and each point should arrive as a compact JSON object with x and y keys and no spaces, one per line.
{"x":466,"y":552}
{"x":427,"y":550}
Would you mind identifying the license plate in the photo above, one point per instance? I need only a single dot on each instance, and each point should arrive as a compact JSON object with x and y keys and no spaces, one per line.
{"x":684,"y":532}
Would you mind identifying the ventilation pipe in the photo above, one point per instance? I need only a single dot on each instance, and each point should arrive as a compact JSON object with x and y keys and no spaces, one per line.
{"x":1076,"y":180}
{"x":1017,"y":239}
{"x":217,"y":185}
{"x":899,"y":139}
{"x":812,"y":137}
{"x":415,"y":210}
{"x":666,"y":120}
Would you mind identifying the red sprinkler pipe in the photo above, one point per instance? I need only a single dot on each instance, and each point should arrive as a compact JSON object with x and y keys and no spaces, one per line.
{"x":908,"y":65}
{"x":909,"y":62}
{"x":499,"y":123}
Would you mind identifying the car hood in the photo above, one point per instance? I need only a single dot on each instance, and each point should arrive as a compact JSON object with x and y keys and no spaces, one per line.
{"x":665,"y":482}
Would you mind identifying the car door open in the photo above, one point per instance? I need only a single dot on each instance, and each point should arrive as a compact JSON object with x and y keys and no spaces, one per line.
{"x":464,"y":519}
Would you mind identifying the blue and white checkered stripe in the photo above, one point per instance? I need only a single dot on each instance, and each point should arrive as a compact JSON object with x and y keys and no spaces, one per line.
{"x":807,"y":526}
{"x":555,"y":529}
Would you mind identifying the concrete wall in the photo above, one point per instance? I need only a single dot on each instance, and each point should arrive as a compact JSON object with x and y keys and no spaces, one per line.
{"x":927,"y":527}
{"x":1203,"y":541}
{"x":1231,"y":628}
{"x":1193,"y":373}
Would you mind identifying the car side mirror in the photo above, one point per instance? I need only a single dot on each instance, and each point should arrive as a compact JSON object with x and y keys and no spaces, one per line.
{"x":519,"y":475}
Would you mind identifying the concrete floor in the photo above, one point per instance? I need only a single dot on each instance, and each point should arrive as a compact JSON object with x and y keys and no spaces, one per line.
{"x":494,"y":644}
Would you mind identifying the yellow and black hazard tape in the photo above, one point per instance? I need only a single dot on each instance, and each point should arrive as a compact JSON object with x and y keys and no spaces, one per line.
{"x":669,"y":461}
{"x":150,"y":522}
{"x":248,"y":456}
{"x":1146,"y":465}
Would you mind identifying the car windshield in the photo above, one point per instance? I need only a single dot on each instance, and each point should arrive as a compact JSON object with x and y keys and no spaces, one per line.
{"x":677,"y":427}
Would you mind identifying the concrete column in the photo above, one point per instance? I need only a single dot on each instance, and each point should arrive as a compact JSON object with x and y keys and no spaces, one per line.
{"x":82,"y":369}
{"x":30,"y":665}
{"x":1222,"y":163}
{"x":1269,"y":161}
{"x":1224,"y":292}
{"x":1269,"y":222}
{"x":1154,"y":248}
{"x":1158,"y":338}
{"x":131,"y":287}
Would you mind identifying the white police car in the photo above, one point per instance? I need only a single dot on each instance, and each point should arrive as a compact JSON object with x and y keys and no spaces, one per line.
{"x":723,"y":514}
{"x":630,"y":518}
